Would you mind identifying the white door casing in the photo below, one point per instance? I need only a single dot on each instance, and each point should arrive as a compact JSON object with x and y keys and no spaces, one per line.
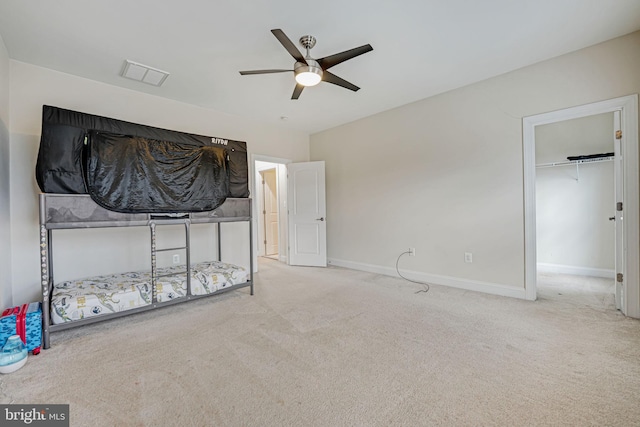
{"x":307,"y":214}
{"x":628,"y":108}
{"x":618,"y":169}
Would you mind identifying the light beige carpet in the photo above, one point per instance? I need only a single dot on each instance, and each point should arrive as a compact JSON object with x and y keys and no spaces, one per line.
{"x":336,"y":347}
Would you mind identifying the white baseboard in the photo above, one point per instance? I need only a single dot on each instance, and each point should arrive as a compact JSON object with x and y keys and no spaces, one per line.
{"x":454,"y":282}
{"x":578,"y":271}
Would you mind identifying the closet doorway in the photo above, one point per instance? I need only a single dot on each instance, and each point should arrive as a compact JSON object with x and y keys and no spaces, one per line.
{"x":575,"y":209}
{"x":627,"y":232}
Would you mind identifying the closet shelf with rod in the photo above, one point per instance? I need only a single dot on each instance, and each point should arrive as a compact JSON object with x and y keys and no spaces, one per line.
{"x":579,"y":160}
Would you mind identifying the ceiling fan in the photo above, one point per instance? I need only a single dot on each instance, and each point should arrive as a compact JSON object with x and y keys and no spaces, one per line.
{"x":309,"y":71}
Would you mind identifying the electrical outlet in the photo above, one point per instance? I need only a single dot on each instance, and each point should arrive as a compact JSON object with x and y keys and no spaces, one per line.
{"x":468,"y":257}
{"x":412,"y":251}
{"x":176,"y":259}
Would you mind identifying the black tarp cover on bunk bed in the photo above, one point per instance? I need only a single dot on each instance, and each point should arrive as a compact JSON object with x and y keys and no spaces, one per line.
{"x":129,"y":168}
{"x":161,"y":176}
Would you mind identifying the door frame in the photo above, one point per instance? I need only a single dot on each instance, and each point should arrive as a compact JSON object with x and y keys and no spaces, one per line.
{"x":628,"y":107}
{"x":283,"y":253}
{"x":618,"y":180}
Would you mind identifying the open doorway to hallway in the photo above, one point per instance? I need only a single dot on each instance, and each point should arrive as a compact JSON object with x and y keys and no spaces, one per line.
{"x":270,"y":210}
{"x":268,"y":237}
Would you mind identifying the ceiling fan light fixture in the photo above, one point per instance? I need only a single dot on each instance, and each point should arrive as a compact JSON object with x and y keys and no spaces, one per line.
{"x":308,"y":71}
{"x":309,"y":74}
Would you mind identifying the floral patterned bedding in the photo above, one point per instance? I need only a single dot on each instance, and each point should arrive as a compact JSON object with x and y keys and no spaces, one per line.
{"x":93,"y":296}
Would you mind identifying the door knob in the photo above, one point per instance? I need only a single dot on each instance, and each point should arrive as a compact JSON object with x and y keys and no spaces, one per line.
{"x":612,"y":218}
{"x":320,"y":219}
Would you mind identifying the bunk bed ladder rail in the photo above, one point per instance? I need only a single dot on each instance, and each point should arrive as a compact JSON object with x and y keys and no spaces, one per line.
{"x":154,"y":250}
{"x":46,"y":279}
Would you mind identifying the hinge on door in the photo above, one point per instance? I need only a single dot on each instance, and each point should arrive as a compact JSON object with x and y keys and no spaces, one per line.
{"x":619,"y":206}
{"x":618,"y":134}
{"x":619,"y":277}
{"x":265,"y":242}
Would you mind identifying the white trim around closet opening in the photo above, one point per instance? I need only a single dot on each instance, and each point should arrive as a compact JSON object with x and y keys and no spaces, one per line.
{"x":628,"y":106}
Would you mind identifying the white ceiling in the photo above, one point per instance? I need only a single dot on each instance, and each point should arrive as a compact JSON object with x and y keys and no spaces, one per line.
{"x":421,"y":47}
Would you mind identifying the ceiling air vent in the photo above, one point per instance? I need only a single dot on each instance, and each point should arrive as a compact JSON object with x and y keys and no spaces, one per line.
{"x":143,"y":73}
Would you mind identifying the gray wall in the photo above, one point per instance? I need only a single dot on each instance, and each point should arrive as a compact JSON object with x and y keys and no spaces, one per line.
{"x":5,"y":228}
{"x":445,"y":174}
{"x":573,"y":205}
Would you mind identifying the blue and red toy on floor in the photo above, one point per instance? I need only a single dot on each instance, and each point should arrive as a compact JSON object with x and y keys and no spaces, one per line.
{"x":26,"y":321}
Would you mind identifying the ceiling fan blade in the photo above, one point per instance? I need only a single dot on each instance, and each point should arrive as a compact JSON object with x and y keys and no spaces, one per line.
{"x":288,"y":44}
{"x":329,"y":61}
{"x":332,"y":78}
{"x":246,"y":73}
{"x":297,"y":91}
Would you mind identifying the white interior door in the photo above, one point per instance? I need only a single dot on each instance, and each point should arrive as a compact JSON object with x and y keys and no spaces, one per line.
{"x":307,"y":214}
{"x":619,"y":190}
{"x":270,"y":211}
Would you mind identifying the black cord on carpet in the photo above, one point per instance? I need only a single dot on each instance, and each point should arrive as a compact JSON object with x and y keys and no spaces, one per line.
{"x":426,"y":285}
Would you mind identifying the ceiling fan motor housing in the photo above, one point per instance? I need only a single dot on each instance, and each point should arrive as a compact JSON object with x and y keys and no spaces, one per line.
{"x":308,"y":42}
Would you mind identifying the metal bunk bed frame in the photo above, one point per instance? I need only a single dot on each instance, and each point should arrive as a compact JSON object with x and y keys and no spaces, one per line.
{"x":74,"y":211}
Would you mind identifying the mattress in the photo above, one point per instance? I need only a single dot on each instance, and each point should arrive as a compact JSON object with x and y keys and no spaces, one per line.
{"x":112,"y":293}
